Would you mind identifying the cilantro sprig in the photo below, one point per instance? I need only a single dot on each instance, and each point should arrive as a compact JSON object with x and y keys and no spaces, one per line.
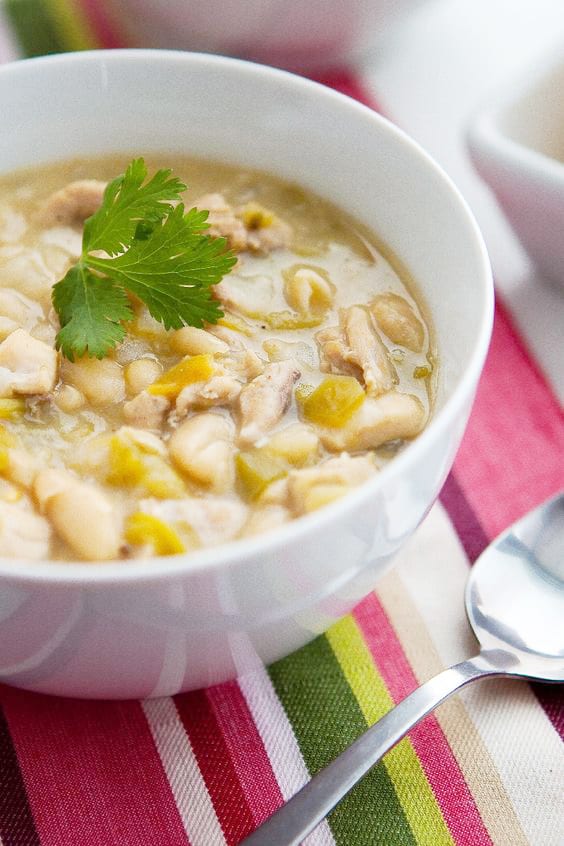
{"x":142,"y":241}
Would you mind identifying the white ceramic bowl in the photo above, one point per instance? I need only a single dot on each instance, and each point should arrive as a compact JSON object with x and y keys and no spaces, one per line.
{"x":517,"y":146}
{"x":146,"y":628}
{"x":314,"y":35}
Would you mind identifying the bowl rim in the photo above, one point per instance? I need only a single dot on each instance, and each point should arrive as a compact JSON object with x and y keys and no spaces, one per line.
{"x":239,"y":551}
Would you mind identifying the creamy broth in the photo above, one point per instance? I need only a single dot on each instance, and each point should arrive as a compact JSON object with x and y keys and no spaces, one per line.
{"x":318,"y":374}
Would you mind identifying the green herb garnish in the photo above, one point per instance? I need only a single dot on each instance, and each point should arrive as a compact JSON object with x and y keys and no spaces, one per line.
{"x":143,"y":242}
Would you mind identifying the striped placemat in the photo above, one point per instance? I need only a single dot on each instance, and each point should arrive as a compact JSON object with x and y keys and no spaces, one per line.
{"x":205,"y":768}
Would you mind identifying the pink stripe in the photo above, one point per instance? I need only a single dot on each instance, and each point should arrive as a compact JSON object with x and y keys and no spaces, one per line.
{"x":229,"y":800}
{"x":92,"y":772}
{"x":443,"y":773}
{"x":347,"y":83}
{"x":106,"y":31}
{"x":512,"y":456}
{"x":246,"y":750}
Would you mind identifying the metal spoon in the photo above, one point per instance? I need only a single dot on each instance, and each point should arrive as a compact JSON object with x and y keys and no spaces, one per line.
{"x":515,"y":604}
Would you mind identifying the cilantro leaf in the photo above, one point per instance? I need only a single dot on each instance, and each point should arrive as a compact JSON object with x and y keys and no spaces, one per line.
{"x":153,"y":249}
{"x":128,"y":203}
{"x":90,"y":310}
{"x":173,"y":269}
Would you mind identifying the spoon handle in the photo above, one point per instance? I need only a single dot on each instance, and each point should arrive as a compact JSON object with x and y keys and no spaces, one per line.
{"x":303,"y":812}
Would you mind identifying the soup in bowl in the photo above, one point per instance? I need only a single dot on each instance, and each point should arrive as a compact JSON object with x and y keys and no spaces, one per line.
{"x":238,"y":350}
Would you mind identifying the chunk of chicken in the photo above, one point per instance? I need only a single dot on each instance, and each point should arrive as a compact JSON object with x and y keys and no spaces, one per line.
{"x":146,"y":411}
{"x":217,"y":391}
{"x":389,"y":417}
{"x":80,"y":514}
{"x":246,"y":228}
{"x":213,"y":521}
{"x":398,"y":321}
{"x":27,"y":366}
{"x":369,"y":351}
{"x":265,"y":237}
{"x":313,"y":487}
{"x":301,"y":352}
{"x":18,"y":312}
{"x":202,"y":447}
{"x":27,"y":272}
{"x":356,"y":349}
{"x":335,"y":356}
{"x":23,"y":534}
{"x":244,"y":364}
{"x":264,"y":400}
{"x":71,"y":205}
{"x":223,"y":221}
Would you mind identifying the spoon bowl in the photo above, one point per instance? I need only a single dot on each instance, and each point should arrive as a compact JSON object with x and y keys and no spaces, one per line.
{"x":515,"y":605}
{"x":515,"y":594}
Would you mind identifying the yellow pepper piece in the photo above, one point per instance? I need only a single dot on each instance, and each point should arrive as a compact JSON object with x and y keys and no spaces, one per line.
{"x":256,"y":469}
{"x":10,"y":408}
{"x":302,"y":392}
{"x":298,"y":445}
{"x":127,"y":469}
{"x":334,"y":401}
{"x":161,"y":480}
{"x":132,"y":467}
{"x":4,"y":459}
{"x":422,"y":372}
{"x":196,"y":368}
{"x":235,"y":323}
{"x":255,"y":216}
{"x":286,"y":320}
{"x":144,"y":529}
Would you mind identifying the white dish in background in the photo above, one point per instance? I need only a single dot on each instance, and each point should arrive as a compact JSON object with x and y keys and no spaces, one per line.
{"x":517,"y":146}
{"x":158,"y":626}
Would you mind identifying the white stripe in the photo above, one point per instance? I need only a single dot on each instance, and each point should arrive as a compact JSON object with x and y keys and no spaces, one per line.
{"x":520,"y":739}
{"x":8,"y":48}
{"x":188,"y":787}
{"x":279,"y":742}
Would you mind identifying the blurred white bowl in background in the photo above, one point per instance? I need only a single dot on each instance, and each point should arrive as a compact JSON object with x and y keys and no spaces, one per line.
{"x":517,"y":146}
{"x":294,"y":34}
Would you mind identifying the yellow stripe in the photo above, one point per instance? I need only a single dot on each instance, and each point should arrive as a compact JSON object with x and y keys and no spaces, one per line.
{"x":410,"y":782}
{"x":71,"y":24}
{"x":472,"y":756}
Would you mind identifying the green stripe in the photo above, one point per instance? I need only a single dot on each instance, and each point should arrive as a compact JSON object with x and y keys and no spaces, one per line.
{"x":408,"y":777}
{"x":326,"y":718}
{"x":33,"y":27}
